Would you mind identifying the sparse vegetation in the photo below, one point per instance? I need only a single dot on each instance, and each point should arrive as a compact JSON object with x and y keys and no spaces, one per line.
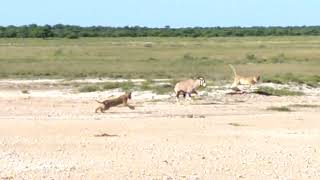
{"x":163,"y":88}
{"x":235,"y":124}
{"x":25,"y":91}
{"x":147,"y":85}
{"x":281,"y":108}
{"x":89,"y":88}
{"x":269,"y":91}
{"x":305,"y":105}
{"x":174,"y":58}
{"x":129,"y":86}
{"x":125,"y":86}
{"x":311,"y":80}
{"x":287,"y":108}
{"x":111,"y":85}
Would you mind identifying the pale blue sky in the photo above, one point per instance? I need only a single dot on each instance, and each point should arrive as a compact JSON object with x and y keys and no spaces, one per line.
{"x":158,"y":13}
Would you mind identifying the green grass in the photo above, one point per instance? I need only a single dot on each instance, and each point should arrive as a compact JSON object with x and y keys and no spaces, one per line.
{"x":163,"y":89}
{"x":129,"y":86}
{"x":277,"y":92}
{"x":150,"y":85}
{"x":89,"y":88}
{"x":310,"y":80}
{"x":147,"y":85}
{"x":281,"y":109}
{"x":125,"y":86}
{"x":155,"y":57}
{"x":107,"y":86}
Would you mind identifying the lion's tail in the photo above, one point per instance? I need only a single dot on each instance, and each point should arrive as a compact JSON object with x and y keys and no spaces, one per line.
{"x":233,"y":69}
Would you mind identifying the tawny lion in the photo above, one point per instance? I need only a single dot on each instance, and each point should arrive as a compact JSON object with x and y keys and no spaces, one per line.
{"x":243,"y":80}
{"x":107,"y":104}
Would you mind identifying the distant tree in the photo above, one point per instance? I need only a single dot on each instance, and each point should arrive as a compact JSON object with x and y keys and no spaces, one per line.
{"x":69,"y":31}
{"x":72,"y":35}
{"x":46,"y":32}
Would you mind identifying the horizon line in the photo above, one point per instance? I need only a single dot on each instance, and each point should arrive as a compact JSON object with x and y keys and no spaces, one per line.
{"x":164,"y":27}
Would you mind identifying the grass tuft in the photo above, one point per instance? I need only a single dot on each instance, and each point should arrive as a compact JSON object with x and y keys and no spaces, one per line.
{"x":125,"y":86}
{"x":89,"y":88}
{"x":281,"y":108}
{"x":304,"y":105}
{"x":235,"y":124}
{"x":269,"y":91}
{"x":311,"y":80}
{"x":163,"y":88}
{"x":25,"y":91}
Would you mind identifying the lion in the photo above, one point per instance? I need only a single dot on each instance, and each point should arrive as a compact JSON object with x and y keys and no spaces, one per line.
{"x":243,"y":80}
{"x":107,"y":104}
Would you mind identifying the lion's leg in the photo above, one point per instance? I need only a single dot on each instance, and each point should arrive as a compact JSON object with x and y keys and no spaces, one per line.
{"x":99,"y":108}
{"x":234,"y":84}
{"x":128,"y":105}
{"x":125,"y":103}
{"x":131,"y":107}
{"x":104,"y":108}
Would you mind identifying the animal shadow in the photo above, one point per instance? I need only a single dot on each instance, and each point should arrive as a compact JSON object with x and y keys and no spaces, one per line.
{"x":105,"y":135}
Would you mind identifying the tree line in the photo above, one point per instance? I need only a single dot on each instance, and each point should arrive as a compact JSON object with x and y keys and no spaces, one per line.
{"x":71,"y":31}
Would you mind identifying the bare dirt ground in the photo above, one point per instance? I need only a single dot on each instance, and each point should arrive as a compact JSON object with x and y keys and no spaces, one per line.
{"x":56,"y":135}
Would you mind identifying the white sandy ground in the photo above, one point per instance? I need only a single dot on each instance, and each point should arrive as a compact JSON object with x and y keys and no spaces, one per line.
{"x":51,"y":134}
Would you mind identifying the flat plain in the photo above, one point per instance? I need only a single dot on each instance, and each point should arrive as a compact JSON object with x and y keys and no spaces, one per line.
{"x":48,"y":128}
